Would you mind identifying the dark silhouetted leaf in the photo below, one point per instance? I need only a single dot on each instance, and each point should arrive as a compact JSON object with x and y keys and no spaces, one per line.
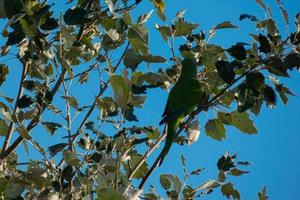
{"x":129,"y":115}
{"x":50,"y":24}
{"x":246,"y":97}
{"x":292,"y":60}
{"x":24,"y":102}
{"x":226,"y":163}
{"x":138,"y":89}
{"x":247,"y":16}
{"x":265,"y":45}
{"x":15,"y":37}
{"x":51,"y":127}
{"x":225,"y":71}
{"x":54,"y":149}
{"x":269,"y":96}
{"x":238,"y":51}
{"x":283,"y":92}
{"x":77,"y":16}
{"x":67,"y":173}
{"x":255,"y":81}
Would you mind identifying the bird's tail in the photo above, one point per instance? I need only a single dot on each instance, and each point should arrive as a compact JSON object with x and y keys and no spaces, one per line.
{"x":171,"y":134}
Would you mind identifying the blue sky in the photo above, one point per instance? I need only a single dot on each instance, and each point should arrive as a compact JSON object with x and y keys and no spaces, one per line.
{"x":273,"y":152}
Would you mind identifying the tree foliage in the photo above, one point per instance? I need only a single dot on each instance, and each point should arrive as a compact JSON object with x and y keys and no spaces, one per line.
{"x":101,"y":43}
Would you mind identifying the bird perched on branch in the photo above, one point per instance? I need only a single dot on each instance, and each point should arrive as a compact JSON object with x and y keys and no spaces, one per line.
{"x":184,"y":97}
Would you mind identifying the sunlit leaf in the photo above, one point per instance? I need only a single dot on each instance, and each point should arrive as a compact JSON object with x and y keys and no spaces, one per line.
{"x":3,"y":73}
{"x":169,"y":180}
{"x":23,"y":132}
{"x":109,"y":193}
{"x":215,"y":129}
{"x":121,"y":90}
{"x":229,"y":191}
{"x":51,"y":127}
{"x":71,"y":158}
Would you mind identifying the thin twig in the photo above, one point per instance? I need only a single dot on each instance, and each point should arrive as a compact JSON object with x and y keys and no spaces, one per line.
{"x":20,"y":93}
{"x":92,"y":107}
{"x":33,"y":123}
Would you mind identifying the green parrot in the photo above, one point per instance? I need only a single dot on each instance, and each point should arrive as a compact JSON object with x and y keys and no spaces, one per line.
{"x":183,"y":98}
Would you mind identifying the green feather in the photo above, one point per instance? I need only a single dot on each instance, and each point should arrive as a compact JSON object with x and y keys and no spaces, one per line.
{"x":182,"y":100}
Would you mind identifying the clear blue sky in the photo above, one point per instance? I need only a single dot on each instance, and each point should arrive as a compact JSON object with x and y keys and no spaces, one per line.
{"x":273,"y":152}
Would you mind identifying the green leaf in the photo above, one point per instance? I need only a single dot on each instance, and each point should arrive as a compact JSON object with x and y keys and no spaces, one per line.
{"x":72,"y":101}
{"x":263,"y":194}
{"x":183,"y":28}
{"x":121,"y":90}
{"x":165,"y":182}
{"x":270,"y":25}
{"x":262,"y":4}
{"x":3,"y":73}
{"x":215,"y":129}
{"x":138,"y":38}
{"x":109,"y":193}
{"x":168,"y":180}
{"x":23,"y":132}
{"x":151,"y":132}
{"x":144,"y":18}
{"x":71,"y":158}
{"x":153,"y":59}
{"x":229,"y":191}
{"x":165,"y":31}
{"x":133,"y":161}
{"x":132,"y":59}
{"x":241,"y":121}
{"x":208,"y":184}
{"x":211,"y":55}
{"x":77,"y":16}
{"x":226,"y":24}
{"x":51,"y":127}
{"x":238,"y":172}
{"x":283,"y":12}
{"x":283,"y":92}
{"x":3,"y":127}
